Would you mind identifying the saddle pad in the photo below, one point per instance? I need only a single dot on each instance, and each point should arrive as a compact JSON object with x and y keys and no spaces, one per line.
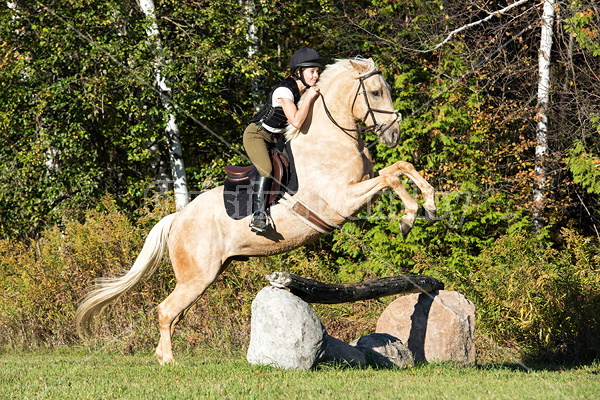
{"x":238,"y":196}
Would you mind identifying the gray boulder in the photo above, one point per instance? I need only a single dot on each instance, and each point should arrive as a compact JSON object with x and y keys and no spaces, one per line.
{"x":341,"y":352}
{"x":384,"y":351}
{"x":285,"y":331}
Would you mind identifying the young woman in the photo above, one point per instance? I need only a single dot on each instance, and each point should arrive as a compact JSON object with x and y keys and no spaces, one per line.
{"x":280,"y":109}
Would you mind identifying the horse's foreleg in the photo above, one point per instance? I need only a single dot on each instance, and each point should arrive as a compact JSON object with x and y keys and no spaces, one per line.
{"x":357,"y":195}
{"x":406,"y":168}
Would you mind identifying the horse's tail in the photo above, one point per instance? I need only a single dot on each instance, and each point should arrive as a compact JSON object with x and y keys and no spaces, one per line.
{"x":107,"y":290}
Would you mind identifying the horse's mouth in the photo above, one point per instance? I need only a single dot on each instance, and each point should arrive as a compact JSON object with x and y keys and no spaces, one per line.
{"x":389,"y":135}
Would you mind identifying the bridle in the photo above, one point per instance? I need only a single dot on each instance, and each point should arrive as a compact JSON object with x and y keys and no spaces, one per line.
{"x":370,"y":110}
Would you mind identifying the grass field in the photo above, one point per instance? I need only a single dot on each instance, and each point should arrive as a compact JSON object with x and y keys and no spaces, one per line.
{"x":78,"y":374}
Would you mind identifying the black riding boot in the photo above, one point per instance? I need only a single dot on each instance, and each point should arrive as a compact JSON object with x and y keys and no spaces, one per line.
{"x":260,"y":190}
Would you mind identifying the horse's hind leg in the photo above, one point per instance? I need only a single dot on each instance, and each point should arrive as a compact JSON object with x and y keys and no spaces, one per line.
{"x":171,"y":310}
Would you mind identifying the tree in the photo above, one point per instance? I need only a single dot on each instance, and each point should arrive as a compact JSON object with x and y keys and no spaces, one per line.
{"x":542,"y":118}
{"x":578,"y":109}
{"x":253,"y":51}
{"x":171,"y":130}
{"x":89,"y":106}
{"x":65,"y":104}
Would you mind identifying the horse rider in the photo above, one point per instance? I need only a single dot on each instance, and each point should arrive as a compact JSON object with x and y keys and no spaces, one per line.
{"x":268,"y":124}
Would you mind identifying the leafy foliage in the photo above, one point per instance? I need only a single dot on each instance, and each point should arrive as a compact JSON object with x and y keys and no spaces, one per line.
{"x":584,"y":168}
{"x":529,"y":295}
{"x":69,"y":115}
{"x":43,"y":284}
{"x":79,"y":118}
{"x":543,"y":298}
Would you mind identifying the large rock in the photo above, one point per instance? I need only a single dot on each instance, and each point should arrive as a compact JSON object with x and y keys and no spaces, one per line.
{"x":436,"y":326}
{"x":285,"y":331}
{"x":384,"y":350}
{"x":342,"y":353}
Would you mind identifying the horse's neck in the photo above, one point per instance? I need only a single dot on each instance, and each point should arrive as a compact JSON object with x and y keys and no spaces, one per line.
{"x":340,"y":111}
{"x":327,"y":157}
{"x":322,"y":145}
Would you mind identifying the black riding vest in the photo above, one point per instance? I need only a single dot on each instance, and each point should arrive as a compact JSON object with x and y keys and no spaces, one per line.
{"x":274,"y":117}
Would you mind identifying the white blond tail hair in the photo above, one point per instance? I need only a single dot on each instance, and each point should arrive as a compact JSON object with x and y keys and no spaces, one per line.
{"x":107,"y":290}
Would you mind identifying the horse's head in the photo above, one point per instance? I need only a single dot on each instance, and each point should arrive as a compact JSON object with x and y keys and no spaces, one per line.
{"x":373,"y":104}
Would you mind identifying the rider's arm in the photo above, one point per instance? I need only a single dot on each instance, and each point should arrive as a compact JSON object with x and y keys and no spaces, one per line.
{"x":296,"y":116}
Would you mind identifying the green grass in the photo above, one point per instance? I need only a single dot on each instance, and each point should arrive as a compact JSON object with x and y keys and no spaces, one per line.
{"x":77,"y":374}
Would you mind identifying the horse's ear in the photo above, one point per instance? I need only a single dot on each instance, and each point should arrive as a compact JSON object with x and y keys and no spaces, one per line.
{"x":359,"y":67}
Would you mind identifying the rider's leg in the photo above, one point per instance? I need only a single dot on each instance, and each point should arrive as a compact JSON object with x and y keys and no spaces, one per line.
{"x":261,"y":189}
{"x":257,"y":142}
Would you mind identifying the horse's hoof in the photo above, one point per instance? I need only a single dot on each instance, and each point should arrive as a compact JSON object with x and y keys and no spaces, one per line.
{"x":430,"y":214}
{"x":405,"y":229}
{"x":162,"y":360}
{"x":170,"y":361}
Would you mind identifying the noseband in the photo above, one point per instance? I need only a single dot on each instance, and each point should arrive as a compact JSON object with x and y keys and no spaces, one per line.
{"x":370,"y":111}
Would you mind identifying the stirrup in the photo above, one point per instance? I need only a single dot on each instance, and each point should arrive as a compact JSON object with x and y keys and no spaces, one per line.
{"x":260,"y":221}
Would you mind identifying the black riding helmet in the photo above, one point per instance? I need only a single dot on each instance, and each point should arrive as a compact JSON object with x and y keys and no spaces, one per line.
{"x":305,"y":58}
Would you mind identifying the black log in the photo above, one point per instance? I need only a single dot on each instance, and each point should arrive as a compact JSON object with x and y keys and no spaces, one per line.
{"x":313,"y":291}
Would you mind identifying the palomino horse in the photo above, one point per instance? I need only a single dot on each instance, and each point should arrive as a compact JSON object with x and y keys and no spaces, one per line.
{"x":335,"y":181}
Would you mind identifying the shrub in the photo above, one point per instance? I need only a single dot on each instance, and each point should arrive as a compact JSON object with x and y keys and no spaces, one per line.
{"x":547,"y":300}
{"x":540,"y":297}
{"x":43,"y":283}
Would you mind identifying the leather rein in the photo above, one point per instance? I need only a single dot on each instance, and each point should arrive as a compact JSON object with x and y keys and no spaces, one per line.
{"x":370,"y":111}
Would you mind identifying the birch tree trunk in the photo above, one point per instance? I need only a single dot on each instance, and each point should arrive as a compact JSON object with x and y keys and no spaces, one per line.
{"x":542,"y":117}
{"x":171,"y":130}
{"x":253,"y":48}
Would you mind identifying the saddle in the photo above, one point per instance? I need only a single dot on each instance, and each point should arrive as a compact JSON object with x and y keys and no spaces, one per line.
{"x":245,"y":175}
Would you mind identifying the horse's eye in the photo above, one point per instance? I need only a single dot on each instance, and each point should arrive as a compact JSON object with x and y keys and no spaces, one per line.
{"x":376,"y":93}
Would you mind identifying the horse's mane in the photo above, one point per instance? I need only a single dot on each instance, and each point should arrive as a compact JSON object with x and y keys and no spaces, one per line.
{"x":341,"y":65}
{"x":330,"y":72}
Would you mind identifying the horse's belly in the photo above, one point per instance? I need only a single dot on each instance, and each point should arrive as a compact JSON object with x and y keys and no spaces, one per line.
{"x":287,"y":232}
{"x":204,"y":229}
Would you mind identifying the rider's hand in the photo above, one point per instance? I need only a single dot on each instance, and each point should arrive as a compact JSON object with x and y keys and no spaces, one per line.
{"x":313,"y":92}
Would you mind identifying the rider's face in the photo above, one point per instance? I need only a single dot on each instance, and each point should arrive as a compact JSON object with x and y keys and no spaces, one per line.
{"x":310,"y":75}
